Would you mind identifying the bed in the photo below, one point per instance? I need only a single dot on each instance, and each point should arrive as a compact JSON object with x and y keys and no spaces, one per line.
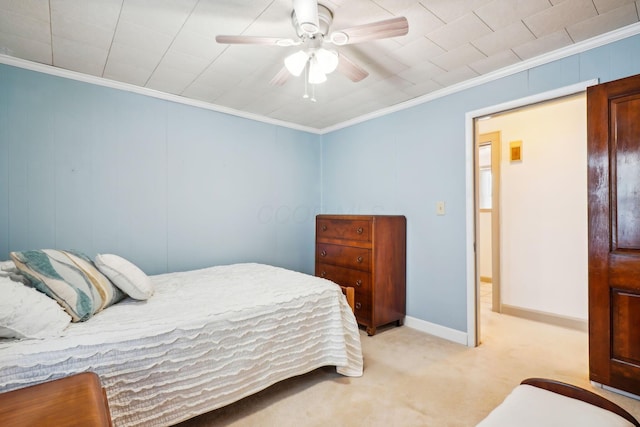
{"x":205,"y":339}
{"x":550,"y":403}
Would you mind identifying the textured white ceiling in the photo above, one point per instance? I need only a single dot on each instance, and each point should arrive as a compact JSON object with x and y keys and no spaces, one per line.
{"x":169,"y":46}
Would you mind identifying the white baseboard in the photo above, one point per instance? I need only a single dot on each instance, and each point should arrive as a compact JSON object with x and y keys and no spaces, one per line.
{"x":436,"y":330}
{"x":544,"y":317}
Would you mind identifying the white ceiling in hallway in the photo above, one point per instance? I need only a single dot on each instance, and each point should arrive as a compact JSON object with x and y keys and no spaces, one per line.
{"x":169,"y":46}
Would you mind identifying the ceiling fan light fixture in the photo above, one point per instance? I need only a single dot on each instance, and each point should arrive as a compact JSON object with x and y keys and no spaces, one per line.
{"x":296,"y":62}
{"x":312,"y":22}
{"x":327,"y":60}
{"x":316,"y":76}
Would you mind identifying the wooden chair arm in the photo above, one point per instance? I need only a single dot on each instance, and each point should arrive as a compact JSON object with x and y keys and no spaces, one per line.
{"x":580,"y":394}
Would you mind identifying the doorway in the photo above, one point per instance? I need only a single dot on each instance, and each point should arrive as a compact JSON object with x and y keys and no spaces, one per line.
{"x":528,"y":301}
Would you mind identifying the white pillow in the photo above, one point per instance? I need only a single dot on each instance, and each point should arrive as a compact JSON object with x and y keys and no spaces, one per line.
{"x":27,"y":313}
{"x":7,"y":268}
{"x":125,"y":275}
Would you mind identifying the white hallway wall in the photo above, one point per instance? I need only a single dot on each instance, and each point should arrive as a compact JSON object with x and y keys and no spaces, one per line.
{"x":485,"y":244}
{"x":484,"y":222}
{"x":544,"y":207}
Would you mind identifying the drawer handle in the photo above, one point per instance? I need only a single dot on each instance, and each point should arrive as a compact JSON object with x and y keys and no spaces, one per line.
{"x":358,"y":283}
{"x":324,"y":228}
{"x":358,"y":306}
{"x":323,"y":274}
{"x":359,"y":259}
{"x":359,"y":230}
{"x":323,"y":253}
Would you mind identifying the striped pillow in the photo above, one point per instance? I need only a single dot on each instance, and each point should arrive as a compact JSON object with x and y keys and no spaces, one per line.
{"x":70,"y":278}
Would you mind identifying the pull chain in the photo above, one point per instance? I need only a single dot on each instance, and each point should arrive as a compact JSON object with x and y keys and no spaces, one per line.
{"x":306,"y":78}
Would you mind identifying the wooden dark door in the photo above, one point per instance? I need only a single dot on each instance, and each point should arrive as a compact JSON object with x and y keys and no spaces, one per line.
{"x":613,"y":132}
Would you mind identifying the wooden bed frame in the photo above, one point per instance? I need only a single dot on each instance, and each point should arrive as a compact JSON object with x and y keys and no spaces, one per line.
{"x":73,"y":400}
{"x":152,"y":388}
{"x":580,"y":394}
{"x":350,"y":293}
{"x":76,"y":400}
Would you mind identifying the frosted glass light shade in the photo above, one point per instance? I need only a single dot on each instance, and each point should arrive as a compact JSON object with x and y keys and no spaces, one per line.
{"x":296,"y":62}
{"x":327,"y":59}
{"x":316,"y":75}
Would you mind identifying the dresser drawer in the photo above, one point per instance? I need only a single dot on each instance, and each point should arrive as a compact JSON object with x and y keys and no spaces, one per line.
{"x":346,"y":256}
{"x":362,"y":308}
{"x":358,"y":230}
{"x":358,"y":279}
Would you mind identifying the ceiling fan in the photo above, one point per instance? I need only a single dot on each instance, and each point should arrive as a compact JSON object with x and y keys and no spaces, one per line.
{"x":311,"y":22}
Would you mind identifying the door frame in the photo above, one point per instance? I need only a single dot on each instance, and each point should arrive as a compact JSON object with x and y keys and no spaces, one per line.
{"x":471,"y":135}
{"x":493,"y":139}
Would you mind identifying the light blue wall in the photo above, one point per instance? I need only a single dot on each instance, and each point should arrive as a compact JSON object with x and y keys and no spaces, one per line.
{"x":4,"y":171}
{"x":169,"y":186}
{"x":174,"y":187}
{"x":404,"y":162}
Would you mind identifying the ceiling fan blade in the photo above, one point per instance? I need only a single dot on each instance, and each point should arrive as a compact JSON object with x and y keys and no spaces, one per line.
{"x":256,"y":40}
{"x":375,"y":30}
{"x":281,"y":77}
{"x":354,"y":72}
{"x":307,"y":15}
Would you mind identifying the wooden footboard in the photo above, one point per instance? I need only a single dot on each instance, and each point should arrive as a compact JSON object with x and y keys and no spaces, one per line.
{"x":76,"y":400}
{"x":350,"y":293}
{"x":580,"y":394}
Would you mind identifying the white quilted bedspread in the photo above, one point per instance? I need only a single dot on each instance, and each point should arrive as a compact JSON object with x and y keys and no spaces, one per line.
{"x":206,"y":338}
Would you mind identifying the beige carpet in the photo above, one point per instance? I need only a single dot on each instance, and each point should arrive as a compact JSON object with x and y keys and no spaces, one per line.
{"x":415,"y":379}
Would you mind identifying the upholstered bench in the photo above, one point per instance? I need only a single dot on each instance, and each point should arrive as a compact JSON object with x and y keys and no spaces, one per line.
{"x":541,"y":402}
{"x":76,"y":400}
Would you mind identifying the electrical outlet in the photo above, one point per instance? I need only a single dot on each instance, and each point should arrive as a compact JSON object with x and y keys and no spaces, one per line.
{"x":440,"y":208}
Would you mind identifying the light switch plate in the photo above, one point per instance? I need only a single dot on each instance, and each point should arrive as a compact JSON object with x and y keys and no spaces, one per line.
{"x":440,"y":208}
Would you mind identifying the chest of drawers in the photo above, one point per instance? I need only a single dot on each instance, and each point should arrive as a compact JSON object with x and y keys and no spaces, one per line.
{"x":368,"y":253}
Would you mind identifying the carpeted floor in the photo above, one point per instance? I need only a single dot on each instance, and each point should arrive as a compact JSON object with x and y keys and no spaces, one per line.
{"x":415,"y":379}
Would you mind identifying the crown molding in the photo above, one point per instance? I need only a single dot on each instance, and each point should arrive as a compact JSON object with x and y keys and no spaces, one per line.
{"x":101,"y":81}
{"x":583,"y":46}
{"x":610,"y":37}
